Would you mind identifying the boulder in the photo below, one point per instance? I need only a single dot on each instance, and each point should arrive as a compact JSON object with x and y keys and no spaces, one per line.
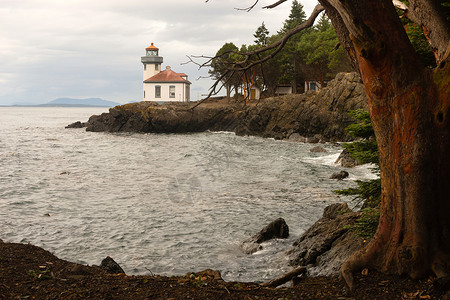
{"x":77,"y":124}
{"x":328,"y":243}
{"x":276,"y":229}
{"x":318,"y":149}
{"x":339,"y":175}
{"x":345,"y":160}
{"x":110,"y":266}
{"x":295,"y":137}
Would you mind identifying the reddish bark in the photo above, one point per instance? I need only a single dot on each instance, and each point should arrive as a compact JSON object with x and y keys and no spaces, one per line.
{"x":410,"y":110}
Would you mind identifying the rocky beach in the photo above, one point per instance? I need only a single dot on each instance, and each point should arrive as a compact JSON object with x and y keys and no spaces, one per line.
{"x":27,"y":271}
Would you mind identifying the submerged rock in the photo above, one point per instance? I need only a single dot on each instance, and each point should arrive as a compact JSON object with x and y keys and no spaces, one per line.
{"x":276,"y":229}
{"x":318,"y":149}
{"x":328,"y":243}
{"x":295,"y":137}
{"x":339,"y":175}
{"x":76,"y":124}
{"x":110,"y":266}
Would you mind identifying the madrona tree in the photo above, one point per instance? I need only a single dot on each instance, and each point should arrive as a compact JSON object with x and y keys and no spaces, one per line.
{"x":409,"y":105}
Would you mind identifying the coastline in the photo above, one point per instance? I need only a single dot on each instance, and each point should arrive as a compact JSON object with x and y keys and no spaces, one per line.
{"x":311,"y":117}
{"x":27,"y":271}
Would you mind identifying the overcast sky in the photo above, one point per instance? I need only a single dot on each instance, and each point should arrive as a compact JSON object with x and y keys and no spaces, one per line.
{"x":86,"y":48}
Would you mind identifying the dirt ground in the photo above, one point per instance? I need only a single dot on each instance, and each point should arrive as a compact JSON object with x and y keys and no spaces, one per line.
{"x":30,"y":272}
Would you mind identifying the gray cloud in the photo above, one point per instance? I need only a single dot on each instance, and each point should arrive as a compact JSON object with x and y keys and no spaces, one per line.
{"x":51,"y":49}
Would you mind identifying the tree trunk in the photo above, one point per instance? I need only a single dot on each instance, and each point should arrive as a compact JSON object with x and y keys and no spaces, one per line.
{"x":430,"y":16}
{"x":410,"y":110}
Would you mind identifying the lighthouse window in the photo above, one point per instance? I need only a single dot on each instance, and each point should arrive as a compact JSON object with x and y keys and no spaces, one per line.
{"x":156,"y":67}
{"x":145,"y":67}
{"x":158,"y":91}
{"x":172,"y":91}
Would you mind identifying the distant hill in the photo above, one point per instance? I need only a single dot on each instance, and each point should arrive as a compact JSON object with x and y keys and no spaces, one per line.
{"x":81,"y":102}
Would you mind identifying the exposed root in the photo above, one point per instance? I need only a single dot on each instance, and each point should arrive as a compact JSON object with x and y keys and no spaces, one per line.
{"x":355,"y":263}
{"x":371,"y":257}
{"x":441,"y":265}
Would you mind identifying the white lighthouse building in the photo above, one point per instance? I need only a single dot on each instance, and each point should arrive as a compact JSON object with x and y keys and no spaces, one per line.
{"x":163,"y":85}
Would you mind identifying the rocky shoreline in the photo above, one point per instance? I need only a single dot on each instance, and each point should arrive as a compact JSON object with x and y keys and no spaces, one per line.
{"x":320,"y":251}
{"x":27,"y":271}
{"x":310,"y":117}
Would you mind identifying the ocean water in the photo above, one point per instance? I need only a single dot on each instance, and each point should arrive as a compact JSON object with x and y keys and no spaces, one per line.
{"x":157,"y":203}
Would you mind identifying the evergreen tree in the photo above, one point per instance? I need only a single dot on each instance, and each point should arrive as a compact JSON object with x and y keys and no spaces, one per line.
{"x":296,"y":17}
{"x":365,"y":151}
{"x":291,"y":62}
{"x":317,"y":48}
{"x":261,"y":35}
{"x":323,"y":24}
{"x":224,"y":58}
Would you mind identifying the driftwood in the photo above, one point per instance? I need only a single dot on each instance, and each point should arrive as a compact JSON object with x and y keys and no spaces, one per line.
{"x":284,"y":278}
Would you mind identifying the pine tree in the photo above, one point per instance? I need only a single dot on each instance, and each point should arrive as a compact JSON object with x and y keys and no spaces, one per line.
{"x":365,"y":151}
{"x":323,"y":24}
{"x":296,"y":17}
{"x":261,"y":35}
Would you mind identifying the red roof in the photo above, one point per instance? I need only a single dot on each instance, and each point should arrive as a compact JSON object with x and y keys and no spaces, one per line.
{"x":151,"y":47}
{"x":167,"y":76}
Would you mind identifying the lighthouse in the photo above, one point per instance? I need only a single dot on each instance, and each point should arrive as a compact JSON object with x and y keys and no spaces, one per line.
{"x":163,"y":85}
{"x":152,"y":61}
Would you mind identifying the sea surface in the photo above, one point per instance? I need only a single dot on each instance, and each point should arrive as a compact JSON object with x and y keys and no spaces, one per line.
{"x":157,"y":203}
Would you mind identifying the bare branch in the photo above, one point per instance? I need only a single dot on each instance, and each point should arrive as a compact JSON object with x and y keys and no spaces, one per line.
{"x":275,"y":4}
{"x":243,"y":66}
{"x":214,"y":89}
{"x":195,"y":62}
{"x":280,"y":43}
{"x":256,"y":2}
{"x":250,"y":7}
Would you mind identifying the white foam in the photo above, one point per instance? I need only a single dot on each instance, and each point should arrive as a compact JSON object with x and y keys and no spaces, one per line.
{"x":328,"y":160}
{"x":362,"y":172}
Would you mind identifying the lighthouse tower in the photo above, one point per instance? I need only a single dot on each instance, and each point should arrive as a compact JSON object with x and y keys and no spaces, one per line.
{"x":152,"y":62}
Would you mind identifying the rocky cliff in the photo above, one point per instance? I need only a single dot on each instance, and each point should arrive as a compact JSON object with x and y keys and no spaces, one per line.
{"x":306,"y":117}
{"x":326,"y":245}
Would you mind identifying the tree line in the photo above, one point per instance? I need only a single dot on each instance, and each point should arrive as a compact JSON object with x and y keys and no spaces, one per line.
{"x":313,"y":54}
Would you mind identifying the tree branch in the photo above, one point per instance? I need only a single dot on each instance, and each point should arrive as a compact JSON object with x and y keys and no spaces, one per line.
{"x":249,"y":8}
{"x":275,"y":4}
{"x":279,"y":44}
{"x":285,"y":277}
{"x":242,"y":66}
{"x":428,"y":15}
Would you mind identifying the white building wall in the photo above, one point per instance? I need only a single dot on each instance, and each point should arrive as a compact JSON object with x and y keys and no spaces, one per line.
{"x":283,"y":90}
{"x":150,"y":70}
{"x":180,"y":92}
